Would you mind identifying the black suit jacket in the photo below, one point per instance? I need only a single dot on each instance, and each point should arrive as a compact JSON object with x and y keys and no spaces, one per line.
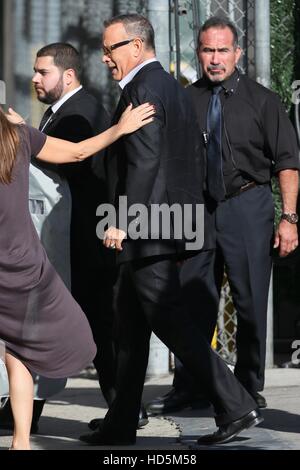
{"x":160,"y":163}
{"x":79,"y":118}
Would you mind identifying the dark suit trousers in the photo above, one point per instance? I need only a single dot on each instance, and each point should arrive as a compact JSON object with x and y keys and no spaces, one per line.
{"x":150,"y":298}
{"x":244,"y":227}
{"x":92,"y":288}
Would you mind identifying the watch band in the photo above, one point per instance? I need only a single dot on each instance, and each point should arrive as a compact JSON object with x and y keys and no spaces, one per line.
{"x":291,"y":217}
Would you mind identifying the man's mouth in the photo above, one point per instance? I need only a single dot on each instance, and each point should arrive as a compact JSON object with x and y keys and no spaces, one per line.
{"x":215,"y":70}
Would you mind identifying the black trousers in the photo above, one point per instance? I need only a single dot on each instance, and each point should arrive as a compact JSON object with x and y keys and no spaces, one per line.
{"x":244,"y":231}
{"x":150,"y":298}
{"x":93,"y":290}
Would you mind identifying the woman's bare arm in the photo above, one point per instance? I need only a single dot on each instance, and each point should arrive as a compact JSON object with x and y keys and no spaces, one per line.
{"x":62,"y":151}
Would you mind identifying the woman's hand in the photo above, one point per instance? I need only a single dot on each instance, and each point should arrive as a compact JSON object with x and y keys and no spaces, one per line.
{"x":14,"y":117}
{"x":133,"y":119}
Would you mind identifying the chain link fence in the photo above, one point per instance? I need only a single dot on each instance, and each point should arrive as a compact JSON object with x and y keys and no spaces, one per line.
{"x":186,"y":19}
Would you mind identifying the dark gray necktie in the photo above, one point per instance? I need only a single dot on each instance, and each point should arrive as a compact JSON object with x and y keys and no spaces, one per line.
{"x":215,"y":182}
{"x":48,"y":113}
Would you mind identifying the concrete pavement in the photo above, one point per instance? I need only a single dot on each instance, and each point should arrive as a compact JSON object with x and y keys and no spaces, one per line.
{"x":66,"y":416}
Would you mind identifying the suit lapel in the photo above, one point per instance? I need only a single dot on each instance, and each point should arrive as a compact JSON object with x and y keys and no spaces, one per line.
{"x":62,"y":110}
{"x":112,"y":156}
{"x":116,"y":160}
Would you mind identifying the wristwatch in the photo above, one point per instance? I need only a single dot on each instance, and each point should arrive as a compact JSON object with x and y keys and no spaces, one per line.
{"x":291,"y":217}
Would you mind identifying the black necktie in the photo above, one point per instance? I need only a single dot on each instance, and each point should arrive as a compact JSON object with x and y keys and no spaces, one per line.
{"x":48,"y":113}
{"x":215,"y":180}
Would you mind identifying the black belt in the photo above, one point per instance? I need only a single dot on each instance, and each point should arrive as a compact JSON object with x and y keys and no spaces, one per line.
{"x":242,"y":189}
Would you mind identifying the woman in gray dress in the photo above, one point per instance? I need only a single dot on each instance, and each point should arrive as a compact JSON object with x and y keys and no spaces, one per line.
{"x":44,"y":330}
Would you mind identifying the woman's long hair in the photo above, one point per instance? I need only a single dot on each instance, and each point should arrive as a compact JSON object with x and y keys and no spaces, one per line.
{"x":9,"y":142}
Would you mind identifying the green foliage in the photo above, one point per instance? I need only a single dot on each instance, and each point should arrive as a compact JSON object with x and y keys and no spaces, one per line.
{"x":285,"y":60}
{"x":283,"y":50}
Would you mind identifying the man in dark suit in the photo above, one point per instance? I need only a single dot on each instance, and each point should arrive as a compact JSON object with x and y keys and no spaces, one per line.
{"x":74,"y":115}
{"x":257,"y":141}
{"x":158,"y":165}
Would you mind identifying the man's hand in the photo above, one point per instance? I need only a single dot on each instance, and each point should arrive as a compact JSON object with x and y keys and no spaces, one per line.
{"x":113,"y":238}
{"x":286,"y":238}
{"x":14,"y":117}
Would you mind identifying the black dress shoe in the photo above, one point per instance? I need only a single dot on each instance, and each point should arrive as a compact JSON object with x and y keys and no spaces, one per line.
{"x":98,"y":438}
{"x":260,"y":400}
{"x":94,"y":424}
{"x":143,"y":420}
{"x":175,"y":400}
{"x":227,"y":432}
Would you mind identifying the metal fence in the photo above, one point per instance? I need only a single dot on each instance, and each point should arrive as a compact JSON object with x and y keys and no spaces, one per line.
{"x":187,"y":17}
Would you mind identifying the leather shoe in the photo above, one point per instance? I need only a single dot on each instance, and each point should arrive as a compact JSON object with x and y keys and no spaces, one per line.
{"x":143,"y":420}
{"x":259,"y":399}
{"x":175,"y":400}
{"x":98,"y":438}
{"x":227,"y":432}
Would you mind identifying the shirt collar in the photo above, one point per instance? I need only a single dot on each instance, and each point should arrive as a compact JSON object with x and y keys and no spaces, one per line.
{"x":55,"y":107}
{"x":127,"y":79}
{"x":229,"y":85}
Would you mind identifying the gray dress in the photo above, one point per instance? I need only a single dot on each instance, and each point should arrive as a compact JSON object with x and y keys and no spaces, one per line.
{"x":40,"y":322}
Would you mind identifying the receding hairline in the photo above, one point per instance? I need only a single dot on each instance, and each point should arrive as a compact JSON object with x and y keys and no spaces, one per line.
{"x":219,"y":26}
{"x":132,"y":22}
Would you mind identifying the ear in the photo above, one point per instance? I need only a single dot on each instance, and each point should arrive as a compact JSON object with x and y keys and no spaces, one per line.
{"x":238,"y":53}
{"x":138,"y":47}
{"x":69,"y":76}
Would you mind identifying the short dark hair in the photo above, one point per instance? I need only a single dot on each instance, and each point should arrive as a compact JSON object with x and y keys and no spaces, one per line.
{"x":65,"y":56}
{"x":135,"y":25}
{"x":219,"y":22}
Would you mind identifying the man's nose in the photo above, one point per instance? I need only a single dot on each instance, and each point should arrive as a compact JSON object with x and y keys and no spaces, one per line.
{"x":35,"y":78}
{"x":215,"y":59}
{"x":105,"y":58}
